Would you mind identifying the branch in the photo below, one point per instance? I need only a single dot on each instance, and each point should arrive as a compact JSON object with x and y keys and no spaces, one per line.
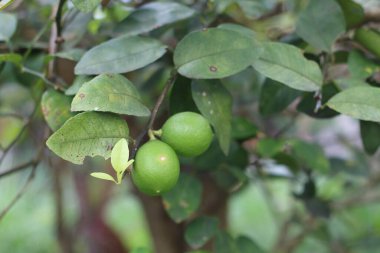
{"x":20,"y":193}
{"x":17,"y":168}
{"x":168,"y":85}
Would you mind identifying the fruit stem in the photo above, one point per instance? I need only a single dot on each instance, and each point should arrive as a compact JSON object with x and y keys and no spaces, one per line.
{"x":157,"y":133}
{"x":151,"y":135}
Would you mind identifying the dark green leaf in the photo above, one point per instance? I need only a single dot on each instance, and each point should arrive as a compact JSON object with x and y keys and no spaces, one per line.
{"x":321,"y":23}
{"x":55,"y":108}
{"x":224,"y":243}
{"x":246,"y":245}
{"x":141,"y":250}
{"x":269,"y":147}
{"x":109,"y":93}
{"x":359,"y":102}
{"x":286,"y":64}
{"x":13,"y":58}
{"x":86,"y":5}
{"x":120,"y":55}
{"x":370,"y":133}
{"x":360,"y":67}
{"x":309,"y":155}
{"x":308,"y":103}
{"x":353,"y":12}
{"x":275,"y":97}
{"x":214,"y":53}
{"x":152,"y":16}
{"x":243,"y":129}
{"x":215,"y":103}
{"x":8,"y":25}
{"x":184,"y":199}
{"x":88,"y":134}
{"x":181,"y":99}
{"x":200,"y":230}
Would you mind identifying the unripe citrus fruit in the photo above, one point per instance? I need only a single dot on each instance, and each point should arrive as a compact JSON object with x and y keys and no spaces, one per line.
{"x":156,"y":168}
{"x":188,"y":133}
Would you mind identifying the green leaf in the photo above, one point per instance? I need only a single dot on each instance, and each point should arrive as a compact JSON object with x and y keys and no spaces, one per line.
{"x":86,"y":5}
{"x":55,"y":108}
{"x":308,"y":103}
{"x":370,"y":134}
{"x":275,"y":97}
{"x":309,"y":155}
{"x":141,"y":250}
{"x":368,"y":38}
{"x":152,"y":16}
{"x":73,"y":54}
{"x":13,"y":58}
{"x":214,"y":53}
{"x":120,"y":55}
{"x":5,"y":3}
{"x":88,"y":134}
{"x":184,"y":199}
{"x":360,"y":67}
{"x":8,"y":25}
{"x":200,"y":230}
{"x":243,"y":129}
{"x":224,"y":243}
{"x":269,"y":147}
{"x":215,"y":103}
{"x":286,"y":64}
{"x":109,"y":93}
{"x":321,"y":23}
{"x":246,"y":245}
{"x":353,"y":12}
{"x":238,"y":28}
{"x":103,"y":176}
{"x":77,"y":84}
{"x":360,"y":102}
{"x":120,"y":155}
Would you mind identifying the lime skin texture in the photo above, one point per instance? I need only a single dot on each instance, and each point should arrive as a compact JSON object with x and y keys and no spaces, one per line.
{"x":156,"y":168}
{"x":188,"y":133}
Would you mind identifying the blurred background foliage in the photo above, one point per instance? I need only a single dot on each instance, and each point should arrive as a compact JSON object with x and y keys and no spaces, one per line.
{"x":332,"y":209}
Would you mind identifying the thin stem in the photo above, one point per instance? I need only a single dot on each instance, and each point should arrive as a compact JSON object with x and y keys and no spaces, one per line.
{"x":39,"y":75}
{"x":18,"y":168}
{"x":168,"y":85}
{"x":20,"y":193}
{"x":36,"y":38}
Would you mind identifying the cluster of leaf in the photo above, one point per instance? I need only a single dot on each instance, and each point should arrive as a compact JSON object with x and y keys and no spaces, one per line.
{"x":88,"y":118}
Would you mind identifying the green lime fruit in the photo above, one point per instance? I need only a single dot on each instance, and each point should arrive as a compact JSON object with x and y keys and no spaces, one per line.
{"x":188,"y":133}
{"x":156,"y":168}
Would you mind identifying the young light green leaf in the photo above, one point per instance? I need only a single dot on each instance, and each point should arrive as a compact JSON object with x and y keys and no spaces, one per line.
{"x":153,"y":15}
{"x":120,"y":155}
{"x":103,"y":176}
{"x":286,"y":64}
{"x":215,"y":53}
{"x":8,"y":25}
{"x":86,"y":5}
{"x":215,"y":103}
{"x":360,"y":102}
{"x":109,"y":93}
{"x":88,"y":134}
{"x":121,"y":173}
{"x":321,"y":23}
{"x":120,"y":55}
